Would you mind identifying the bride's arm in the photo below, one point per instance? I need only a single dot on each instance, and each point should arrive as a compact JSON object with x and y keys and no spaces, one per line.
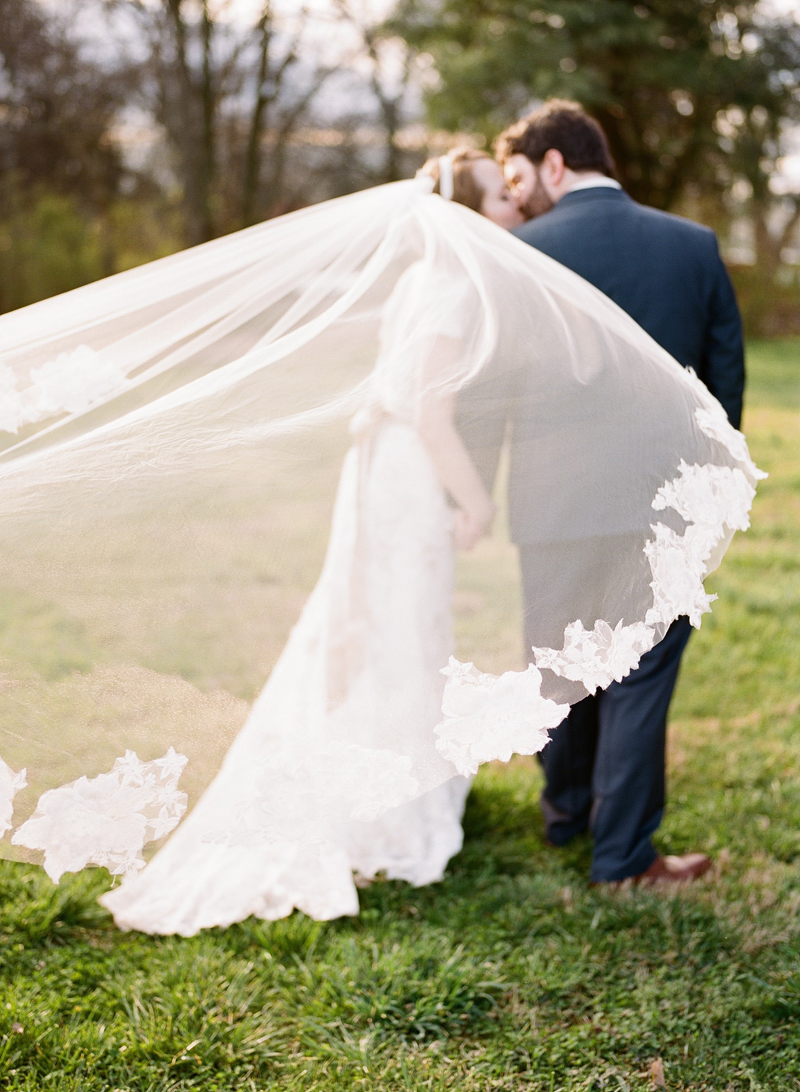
{"x":435,"y":422}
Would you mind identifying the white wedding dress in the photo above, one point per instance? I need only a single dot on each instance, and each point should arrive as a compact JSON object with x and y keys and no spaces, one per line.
{"x":368,"y":649}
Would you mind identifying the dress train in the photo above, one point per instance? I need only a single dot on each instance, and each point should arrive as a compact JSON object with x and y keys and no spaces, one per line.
{"x":313,"y":791}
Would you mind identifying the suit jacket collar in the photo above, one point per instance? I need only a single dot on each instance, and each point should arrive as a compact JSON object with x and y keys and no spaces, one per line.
{"x":593,"y":193}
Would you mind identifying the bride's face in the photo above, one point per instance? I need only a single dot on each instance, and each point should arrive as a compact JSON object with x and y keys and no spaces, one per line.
{"x":498,"y":203}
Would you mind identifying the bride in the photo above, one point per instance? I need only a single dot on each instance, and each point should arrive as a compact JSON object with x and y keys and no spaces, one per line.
{"x":211,"y":376}
{"x":376,"y":632}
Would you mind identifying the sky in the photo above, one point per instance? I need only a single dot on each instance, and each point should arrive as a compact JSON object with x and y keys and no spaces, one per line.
{"x":246,"y":10}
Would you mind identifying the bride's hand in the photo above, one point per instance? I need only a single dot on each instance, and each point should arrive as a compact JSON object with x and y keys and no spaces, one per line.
{"x":470,"y":526}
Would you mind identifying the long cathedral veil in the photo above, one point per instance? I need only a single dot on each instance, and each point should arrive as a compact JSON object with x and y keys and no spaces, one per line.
{"x":172,"y":439}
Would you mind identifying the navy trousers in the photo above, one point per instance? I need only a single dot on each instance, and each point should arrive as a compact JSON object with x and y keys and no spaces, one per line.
{"x":604,"y":764}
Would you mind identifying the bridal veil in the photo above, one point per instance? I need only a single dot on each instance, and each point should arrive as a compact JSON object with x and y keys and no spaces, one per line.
{"x":171,"y":443}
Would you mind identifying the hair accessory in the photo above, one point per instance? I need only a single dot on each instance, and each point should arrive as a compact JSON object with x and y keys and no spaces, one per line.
{"x":446,"y":177}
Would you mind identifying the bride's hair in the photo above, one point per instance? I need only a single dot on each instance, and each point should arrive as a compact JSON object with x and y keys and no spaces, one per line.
{"x":466,"y":189}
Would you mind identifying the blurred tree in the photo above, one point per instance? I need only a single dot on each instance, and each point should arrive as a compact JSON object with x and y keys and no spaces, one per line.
{"x":47,"y":246}
{"x":57,"y":107}
{"x":388,"y":69}
{"x":268,"y":104}
{"x":756,"y":145}
{"x":60,"y":171}
{"x":753,"y":137}
{"x":657,"y":74}
{"x":223,"y":93}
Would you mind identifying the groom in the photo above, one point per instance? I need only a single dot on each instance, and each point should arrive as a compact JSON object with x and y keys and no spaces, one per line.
{"x":604,"y":765}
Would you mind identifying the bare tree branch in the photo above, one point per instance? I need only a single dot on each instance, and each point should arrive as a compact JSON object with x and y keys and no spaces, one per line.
{"x":390,"y":106}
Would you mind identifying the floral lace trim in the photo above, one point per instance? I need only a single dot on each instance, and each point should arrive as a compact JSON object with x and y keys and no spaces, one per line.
{"x":716,"y":425}
{"x":713,"y":421}
{"x":597,"y":657}
{"x":72,"y":383}
{"x":106,"y":820}
{"x":712,"y":497}
{"x":677,"y":563}
{"x":489,"y":717}
{"x":10,"y":784}
{"x":714,"y":501}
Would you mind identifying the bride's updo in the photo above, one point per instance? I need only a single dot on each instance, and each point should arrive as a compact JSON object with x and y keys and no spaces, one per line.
{"x":467,"y":190}
{"x":478,"y":183}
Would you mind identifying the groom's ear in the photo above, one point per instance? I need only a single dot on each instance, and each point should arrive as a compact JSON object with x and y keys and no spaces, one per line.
{"x":552,"y":167}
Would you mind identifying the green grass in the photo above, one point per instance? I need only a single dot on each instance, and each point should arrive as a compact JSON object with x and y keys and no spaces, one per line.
{"x":512,"y":973}
{"x":774,"y":373}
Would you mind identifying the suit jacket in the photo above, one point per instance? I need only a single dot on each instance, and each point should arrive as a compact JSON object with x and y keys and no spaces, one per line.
{"x":666,"y":272}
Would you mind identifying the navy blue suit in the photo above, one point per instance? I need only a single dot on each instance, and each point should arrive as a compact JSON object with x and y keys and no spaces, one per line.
{"x":604,"y":765}
{"x":664,"y":271}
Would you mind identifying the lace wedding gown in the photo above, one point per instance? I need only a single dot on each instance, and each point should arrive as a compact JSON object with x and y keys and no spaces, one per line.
{"x":368,"y":649}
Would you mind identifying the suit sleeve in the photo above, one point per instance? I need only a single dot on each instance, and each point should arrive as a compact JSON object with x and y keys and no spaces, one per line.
{"x":723,"y":351}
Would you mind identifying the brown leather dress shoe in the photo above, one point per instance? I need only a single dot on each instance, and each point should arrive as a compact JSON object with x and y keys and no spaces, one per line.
{"x":675,"y":869}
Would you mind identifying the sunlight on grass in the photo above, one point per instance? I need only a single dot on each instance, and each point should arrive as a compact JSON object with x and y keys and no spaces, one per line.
{"x":512,"y":973}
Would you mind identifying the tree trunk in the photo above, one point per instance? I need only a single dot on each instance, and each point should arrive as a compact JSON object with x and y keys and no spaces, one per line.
{"x":209,"y":109}
{"x":190,"y":119}
{"x":769,"y":247}
{"x":252,"y":162}
{"x":392,"y":166}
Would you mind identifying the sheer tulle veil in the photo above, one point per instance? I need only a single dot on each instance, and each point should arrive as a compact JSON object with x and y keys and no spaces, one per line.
{"x":172,"y":438}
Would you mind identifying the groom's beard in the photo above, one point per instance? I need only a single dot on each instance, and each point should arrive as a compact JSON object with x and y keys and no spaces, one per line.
{"x":539,"y":201}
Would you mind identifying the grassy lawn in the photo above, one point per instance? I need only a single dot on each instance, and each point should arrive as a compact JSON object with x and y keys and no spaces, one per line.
{"x":512,"y":973}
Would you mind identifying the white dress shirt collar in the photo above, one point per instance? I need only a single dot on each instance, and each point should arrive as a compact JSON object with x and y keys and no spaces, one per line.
{"x":590,"y":183}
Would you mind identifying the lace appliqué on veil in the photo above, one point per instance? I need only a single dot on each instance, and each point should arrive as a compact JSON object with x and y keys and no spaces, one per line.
{"x":713,"y":422}
{"x":72,"y":383}
{"x":597,"y":657}
{"x":492,"y":717}
{"x":710,"y":497}
{"x":715,"y":501}
{"x":107,"y":819}
{"x":10,"y":784}
{"x":678,"y":566}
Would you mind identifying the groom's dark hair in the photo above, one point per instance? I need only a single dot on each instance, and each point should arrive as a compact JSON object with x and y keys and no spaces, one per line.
{"x":564,"y":126}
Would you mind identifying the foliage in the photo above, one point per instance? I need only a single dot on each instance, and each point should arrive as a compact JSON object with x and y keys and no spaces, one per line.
{"x":770,"y":306}
{"x":390,"y":73}
{"x":655,"y":74}
{"x":57,"y":105}
{"x":177,"y":101}
{"x":46,"y":248}
{"x":753,"y":142}
{"x":49,"y":243}
{"x":512,"y":973}
{"x":216,"y":89}
{"x":70,"y":210}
